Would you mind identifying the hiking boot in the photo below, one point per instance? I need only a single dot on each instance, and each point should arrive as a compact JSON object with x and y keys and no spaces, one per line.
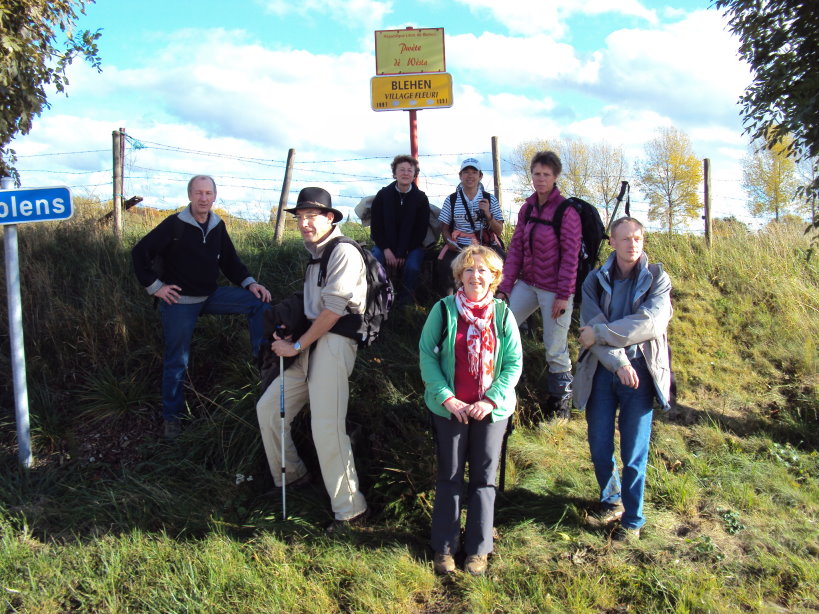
{"x":610,"y":514}
{"x":475,"y":564}
{"x":443,"y":564}
{"x":172,"y":429}
{"x":625,"y":534}
{"x":341,"y":526}
{"x":559,"y":387}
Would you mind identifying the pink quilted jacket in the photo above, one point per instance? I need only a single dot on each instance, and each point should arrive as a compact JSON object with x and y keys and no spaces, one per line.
{"x":534,"y":253}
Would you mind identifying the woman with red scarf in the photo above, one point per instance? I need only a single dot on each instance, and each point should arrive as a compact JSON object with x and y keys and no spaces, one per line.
{"x":471,"y":360}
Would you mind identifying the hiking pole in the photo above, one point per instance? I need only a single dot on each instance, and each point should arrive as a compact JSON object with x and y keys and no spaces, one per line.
{"x":281,"y":413}
{"x":623,"y":189}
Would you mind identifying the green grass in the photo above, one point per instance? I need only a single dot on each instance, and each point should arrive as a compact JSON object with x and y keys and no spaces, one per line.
{"x":111,"y":519}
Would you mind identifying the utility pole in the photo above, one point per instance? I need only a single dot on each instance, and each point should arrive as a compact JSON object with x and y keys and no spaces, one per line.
{"x":288,"y":171}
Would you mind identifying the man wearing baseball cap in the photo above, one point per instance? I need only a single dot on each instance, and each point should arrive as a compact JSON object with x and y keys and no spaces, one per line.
{"x":324,"y":361}
{"x":469,"y":216}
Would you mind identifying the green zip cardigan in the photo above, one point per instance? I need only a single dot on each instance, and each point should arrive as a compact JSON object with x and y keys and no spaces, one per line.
{"x":438,"y":364}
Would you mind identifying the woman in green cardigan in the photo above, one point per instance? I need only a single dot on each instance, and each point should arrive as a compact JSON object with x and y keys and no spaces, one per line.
{"x":470,"y":356}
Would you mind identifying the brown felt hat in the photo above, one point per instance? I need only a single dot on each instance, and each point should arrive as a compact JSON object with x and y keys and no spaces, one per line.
{"x":316,"y":198}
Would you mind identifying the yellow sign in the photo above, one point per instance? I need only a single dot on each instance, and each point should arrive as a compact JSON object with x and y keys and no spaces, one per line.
{"x":399,"y":52}
{"x":431,"y":91}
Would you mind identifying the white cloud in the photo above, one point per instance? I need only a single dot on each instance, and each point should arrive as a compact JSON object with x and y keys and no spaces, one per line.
{"x":688,"y":70}
{"x":532,"y":17}
{"x":516,"y":61}
{"x":366,"y":14}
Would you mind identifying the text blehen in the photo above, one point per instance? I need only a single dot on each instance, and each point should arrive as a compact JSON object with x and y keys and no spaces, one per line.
{"x":411,"y":84}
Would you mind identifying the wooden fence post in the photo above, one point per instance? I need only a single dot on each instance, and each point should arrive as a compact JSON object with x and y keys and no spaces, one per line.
{"x":706,"y":175}
{"x":118,"y":151}
{"x":279,"y":234}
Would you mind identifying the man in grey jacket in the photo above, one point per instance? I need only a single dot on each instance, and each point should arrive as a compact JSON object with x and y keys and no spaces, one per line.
{"x":624,"y":318}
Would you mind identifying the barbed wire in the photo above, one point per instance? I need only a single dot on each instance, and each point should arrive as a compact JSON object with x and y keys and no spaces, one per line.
{"x":267,"y":189}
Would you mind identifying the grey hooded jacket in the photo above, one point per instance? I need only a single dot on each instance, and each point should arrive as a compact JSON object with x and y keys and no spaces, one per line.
{"x":646,"y":326}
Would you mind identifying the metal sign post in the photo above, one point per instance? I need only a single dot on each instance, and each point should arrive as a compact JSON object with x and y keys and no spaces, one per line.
{"x":24,"y":206}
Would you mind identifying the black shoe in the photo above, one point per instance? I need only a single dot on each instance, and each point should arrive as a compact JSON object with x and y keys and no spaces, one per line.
{"x":625,"y":534}
{"x":341,"y":526}
{"x":172,"y":430}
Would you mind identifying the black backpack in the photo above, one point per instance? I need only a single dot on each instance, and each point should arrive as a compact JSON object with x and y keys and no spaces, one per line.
{"x":593,"y":233}
{"x":363,"y":327}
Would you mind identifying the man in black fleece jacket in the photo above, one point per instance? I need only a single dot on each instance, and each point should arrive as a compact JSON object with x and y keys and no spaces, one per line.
{"x":190,"y":248}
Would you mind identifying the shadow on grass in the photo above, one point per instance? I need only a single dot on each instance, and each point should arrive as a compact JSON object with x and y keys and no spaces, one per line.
{"x":797,"y":424}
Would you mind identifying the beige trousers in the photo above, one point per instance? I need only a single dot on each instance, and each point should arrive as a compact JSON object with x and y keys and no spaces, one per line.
{"x":318,"y":377}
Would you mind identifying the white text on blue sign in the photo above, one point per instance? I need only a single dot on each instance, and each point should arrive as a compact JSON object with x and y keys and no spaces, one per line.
{"x":35,"y":205}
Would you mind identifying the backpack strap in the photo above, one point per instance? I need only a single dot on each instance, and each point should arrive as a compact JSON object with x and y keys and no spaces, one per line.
{"x":445,"y":321}
{"x":453,"y":197}
{"x":556,"y":222}
{"x":325,"y":257}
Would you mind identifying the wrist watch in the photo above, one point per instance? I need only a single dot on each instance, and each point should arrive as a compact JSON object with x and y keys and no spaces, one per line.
{"x":297,"y":347}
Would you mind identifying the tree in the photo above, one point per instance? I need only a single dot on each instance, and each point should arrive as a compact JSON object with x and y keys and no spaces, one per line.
{"x":521,"y":159}
{"x":32,"y":58}
{"x":578,"y":168}
{"x":670,"y":178}
{"x":807,"y":172}
{"x":769,"y":178}
{"x":780,"y":41}
{"x":610,"y":166}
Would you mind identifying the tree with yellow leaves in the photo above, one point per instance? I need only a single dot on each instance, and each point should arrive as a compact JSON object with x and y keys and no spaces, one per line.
{"x":769,"y":177}
{"x":670,"y":178}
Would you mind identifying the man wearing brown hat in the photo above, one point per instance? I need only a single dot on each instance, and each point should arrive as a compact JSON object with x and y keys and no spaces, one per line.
{"x":324,"y":362}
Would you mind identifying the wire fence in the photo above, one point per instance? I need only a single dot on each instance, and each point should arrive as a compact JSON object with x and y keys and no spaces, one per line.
{"x":250,"y":187}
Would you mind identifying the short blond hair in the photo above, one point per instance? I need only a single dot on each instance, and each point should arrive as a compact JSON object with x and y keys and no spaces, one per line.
{"x":627,"y":220}
{"x":467,"y":258}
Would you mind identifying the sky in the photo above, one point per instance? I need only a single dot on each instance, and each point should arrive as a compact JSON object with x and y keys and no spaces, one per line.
{"x":227,"y":88}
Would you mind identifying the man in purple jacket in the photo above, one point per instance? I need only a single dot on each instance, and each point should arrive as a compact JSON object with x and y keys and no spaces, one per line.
{"x":540,"y":271}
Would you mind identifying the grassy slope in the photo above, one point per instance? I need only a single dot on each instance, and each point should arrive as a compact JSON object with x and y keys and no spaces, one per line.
{"x":111,"y":519}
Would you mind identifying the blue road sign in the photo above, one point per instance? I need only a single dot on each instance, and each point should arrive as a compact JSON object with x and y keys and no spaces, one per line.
{"x":35,"y":205}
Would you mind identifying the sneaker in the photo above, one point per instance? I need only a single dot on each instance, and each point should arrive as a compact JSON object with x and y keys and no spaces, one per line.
{"x":625,"y":534}
{"x":475,"y":564}
{"x":341,"y":526}
{"x":172,"y":429}
{"x":443,"y":563}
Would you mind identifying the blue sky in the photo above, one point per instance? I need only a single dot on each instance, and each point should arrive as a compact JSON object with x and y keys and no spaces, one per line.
{"x":227,"y":88}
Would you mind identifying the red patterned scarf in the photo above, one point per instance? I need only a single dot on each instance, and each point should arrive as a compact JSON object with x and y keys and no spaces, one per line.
{"x":480,"y":338}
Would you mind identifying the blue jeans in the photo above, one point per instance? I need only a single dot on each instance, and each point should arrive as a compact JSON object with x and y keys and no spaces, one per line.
{"x":411,"y":273}
{"x":634,"y":423}
{"x":178,"y":322}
